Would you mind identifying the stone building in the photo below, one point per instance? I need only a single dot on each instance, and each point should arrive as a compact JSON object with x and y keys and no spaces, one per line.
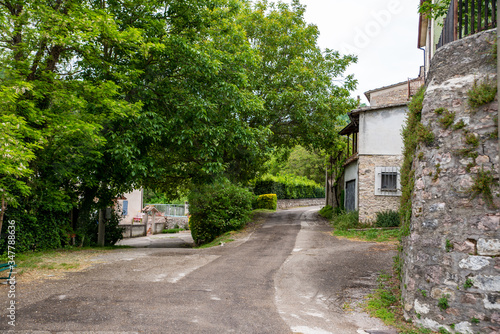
{"x":371,"y":177}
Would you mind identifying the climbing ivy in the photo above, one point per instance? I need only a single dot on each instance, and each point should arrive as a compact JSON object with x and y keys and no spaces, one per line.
{"x":411,"y":140}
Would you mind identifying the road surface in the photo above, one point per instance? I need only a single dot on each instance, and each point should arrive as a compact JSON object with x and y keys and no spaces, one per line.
{"x":288,"y":276}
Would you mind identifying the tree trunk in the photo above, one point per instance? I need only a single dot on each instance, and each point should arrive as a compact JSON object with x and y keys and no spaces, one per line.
{"x":2,"y":213}
{"x":100,"y":231}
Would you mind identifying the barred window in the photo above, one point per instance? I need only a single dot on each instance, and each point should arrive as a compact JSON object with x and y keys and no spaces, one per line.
{"x":387,"y":181}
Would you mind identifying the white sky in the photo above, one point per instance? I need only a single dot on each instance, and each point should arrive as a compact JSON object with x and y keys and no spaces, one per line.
{"x":382,"y":33}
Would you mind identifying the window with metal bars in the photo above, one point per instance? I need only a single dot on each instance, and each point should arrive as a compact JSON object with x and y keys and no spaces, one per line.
{"x":387,"y":181}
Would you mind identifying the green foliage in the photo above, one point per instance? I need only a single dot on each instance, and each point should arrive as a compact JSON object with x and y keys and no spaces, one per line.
{"x":388,"y":218}
{"x":459,"y":125}
{"x":424,"y":134}
{"x":423,"y":292}
{"x":385,"y":303}
{"x":437,"y":173}
{"x":294,"y":77}
{"x":114,"y":232}
{"x":410,"y":142}
{"x":474,"y":321}
{"x":47,"y":230}
{"x":372,"y":235}
{"x":346,"y":220}
{"x":381,"y":303}
{"x":469,"y":283}
{"x":443,"y":330}
{"x":434,"y":9}
{"x":443,"y":303}
{"x":482,"y":93}
{"x":448,"y":246}
{"x":158,"y":197}
{"x":172,"y":230}
{"x":99,"y":98}
{"x":482,"y":186}
{"x":218,"y":208}
{"x":220,"y":240}
{"x":326,"y":212}
{"x":299,"y":161}
{"x":266,"y":201}
{"x":439,"y":111}
{"x":287,"y":186}
{"x":447,"y":119}
{"x":471,"y":140}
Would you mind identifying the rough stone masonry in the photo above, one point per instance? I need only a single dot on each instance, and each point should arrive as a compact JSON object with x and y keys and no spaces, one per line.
{"x":451,"y":272}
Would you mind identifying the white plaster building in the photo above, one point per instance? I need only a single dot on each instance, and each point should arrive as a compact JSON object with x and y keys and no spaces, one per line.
{"x":130,"y":206}
{"x":372,"y":170}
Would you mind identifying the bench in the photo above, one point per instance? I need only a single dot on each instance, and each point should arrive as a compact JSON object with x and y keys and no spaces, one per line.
{"x":4,"y":267}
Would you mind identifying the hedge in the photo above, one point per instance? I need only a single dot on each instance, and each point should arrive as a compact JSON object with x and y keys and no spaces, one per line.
{"x":288,"y":186}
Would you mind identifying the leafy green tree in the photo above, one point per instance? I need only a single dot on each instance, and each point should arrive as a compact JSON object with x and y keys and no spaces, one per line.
{"x":304,"y":89}
{"x":102,"y":96}
{"x":301,"y":162}
{"x":61,"y":121}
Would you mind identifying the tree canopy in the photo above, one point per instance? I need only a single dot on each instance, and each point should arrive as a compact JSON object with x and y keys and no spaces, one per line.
{"x":99,"y":97}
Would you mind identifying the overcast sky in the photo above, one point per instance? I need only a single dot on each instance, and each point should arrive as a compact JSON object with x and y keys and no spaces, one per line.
{"x":382,"y":33}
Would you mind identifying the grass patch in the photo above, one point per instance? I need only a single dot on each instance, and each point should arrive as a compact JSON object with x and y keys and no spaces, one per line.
{"x":374,"y":235}
{"x":326,"y":212}
{"x":54,"y":263}
{"x":172,"y":230}
{"x":345,"y":220}
{"x":385,"y":304}
{"x":263,"y":211}
{"x":220,"y":240}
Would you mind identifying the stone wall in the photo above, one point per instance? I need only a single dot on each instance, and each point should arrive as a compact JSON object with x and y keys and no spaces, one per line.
{"x":293,"y":203}
{"x":396,"y":94}
{"x":369,"y":203}
{"x":451,"y":254}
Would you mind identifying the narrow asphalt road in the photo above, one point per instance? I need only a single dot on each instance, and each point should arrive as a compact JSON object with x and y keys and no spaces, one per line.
{"x":289,"y":276}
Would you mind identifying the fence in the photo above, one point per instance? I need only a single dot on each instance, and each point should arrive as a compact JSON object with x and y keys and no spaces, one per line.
{"x":174,"y":210}
{"x":467,"y":17}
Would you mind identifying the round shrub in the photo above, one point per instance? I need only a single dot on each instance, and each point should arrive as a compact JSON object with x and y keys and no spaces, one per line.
{"x":266,"y":201}
{"x":218,"y":208}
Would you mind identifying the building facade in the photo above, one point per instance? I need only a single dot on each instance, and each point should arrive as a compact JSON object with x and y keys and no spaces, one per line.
{"x":372,"y":169}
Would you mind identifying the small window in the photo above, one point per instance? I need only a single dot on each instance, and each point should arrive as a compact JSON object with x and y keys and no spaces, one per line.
{"x":389,"y":181}
{"x":125,"y":208}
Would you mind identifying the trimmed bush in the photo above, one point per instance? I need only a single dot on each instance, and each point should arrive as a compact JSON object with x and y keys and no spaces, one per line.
{"x":388,"y":218}
{"x":287,"y":186}
{"x":218,"y":208}
{"x":266,"y":201}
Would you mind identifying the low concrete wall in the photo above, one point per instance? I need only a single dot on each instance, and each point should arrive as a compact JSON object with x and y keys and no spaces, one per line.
{"x":293,"y":203}
{"x":133,"y":230}
{"x":139,"y":230}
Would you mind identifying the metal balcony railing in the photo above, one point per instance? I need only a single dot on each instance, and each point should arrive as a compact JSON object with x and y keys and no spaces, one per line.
{"x":467,"y":17}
